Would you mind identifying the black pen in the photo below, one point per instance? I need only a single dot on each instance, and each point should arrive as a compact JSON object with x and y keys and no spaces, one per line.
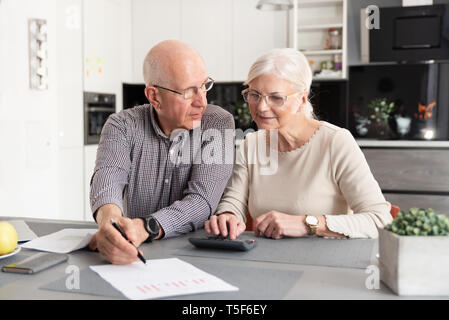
{"x":115,"y":225}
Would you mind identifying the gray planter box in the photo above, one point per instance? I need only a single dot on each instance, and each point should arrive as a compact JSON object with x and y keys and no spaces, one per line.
{"x":414,"y":265}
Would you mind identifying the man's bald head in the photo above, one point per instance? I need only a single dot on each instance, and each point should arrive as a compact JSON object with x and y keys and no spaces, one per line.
{"x":169,"y":60}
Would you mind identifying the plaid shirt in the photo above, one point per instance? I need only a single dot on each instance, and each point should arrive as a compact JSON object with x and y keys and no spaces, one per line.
{"x":178,"y":179}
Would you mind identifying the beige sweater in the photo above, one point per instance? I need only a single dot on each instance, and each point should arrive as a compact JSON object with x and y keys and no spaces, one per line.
{"x":327,"y":176}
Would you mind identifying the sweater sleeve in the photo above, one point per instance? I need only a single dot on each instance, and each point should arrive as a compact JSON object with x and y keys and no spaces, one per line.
{"x":360,"y":189}
{"x":235,"y":197}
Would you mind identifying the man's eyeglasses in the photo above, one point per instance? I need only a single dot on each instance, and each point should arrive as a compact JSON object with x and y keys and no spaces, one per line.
{"x":253,"y":97}
{"x":189,"y":93}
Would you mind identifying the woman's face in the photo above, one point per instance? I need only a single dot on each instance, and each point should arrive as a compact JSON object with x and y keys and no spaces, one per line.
{"x":266,"y":115}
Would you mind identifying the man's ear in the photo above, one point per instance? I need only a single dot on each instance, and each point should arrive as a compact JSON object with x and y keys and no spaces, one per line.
{"x":152,"y":97}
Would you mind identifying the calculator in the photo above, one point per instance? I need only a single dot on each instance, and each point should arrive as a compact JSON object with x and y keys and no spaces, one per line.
{"x":220,"y":242}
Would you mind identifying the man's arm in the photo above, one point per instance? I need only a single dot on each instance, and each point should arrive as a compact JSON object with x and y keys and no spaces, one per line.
{"x":207,"y":181}
{"x":112,"y":166}
{"x":107,"y":185}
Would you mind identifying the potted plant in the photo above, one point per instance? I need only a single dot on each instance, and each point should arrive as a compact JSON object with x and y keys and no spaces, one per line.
{"x":414,"y":253}
{"x":242,"y":115}
{"x":380,"y":112}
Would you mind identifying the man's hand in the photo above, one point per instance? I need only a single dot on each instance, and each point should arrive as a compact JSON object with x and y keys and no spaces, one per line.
{"x":224,"y":224}
{"x":110,"y":242}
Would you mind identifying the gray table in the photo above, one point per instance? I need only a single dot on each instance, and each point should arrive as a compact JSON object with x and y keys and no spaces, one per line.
{"x":309,"y":281}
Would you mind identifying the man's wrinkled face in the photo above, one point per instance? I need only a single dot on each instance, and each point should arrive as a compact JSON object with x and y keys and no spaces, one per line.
{"x":176,"y":112}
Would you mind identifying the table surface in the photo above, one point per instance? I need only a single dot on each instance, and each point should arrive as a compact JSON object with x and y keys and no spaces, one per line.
{"x":316,"y":282}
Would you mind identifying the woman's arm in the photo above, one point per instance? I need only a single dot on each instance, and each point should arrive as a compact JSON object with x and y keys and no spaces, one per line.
{"x":230,"y":216}
{"x":235,"y":196}
{"x":323,"y":231}
{"x":359,"y":188}
{"x":277,"y":225}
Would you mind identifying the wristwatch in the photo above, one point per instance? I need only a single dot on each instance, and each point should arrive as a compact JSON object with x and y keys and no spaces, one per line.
{"x":152,"y":227}
{"x":312,"y":223}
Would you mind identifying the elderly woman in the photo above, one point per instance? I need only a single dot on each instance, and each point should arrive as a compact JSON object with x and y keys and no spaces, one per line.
{"x":319,"y":184}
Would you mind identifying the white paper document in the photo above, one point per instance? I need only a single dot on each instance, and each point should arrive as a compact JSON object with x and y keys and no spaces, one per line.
{"x":64,"y":241}
{"x":160,"y":278}
{"x":24,"y":232}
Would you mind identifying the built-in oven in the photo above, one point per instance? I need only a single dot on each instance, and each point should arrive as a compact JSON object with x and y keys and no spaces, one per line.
{"x":412,"y":34}
{"x":97,"y":108}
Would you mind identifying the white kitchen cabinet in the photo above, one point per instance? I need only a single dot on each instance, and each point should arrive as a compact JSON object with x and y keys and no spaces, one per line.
{"x":152,"y":22}
{"x":229,"y":34}
{"x":69,"y":59}
{"x":70,"y":113}
{"x":207,"y":26}
{"x":107,"y":46}
{"x":71,"y":184}
{"x":254,"y":32}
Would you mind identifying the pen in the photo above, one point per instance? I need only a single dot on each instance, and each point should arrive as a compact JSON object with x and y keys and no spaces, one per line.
{"x":115,"y":225}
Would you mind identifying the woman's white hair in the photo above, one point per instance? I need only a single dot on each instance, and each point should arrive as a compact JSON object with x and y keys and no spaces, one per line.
{"x":288,"y":64}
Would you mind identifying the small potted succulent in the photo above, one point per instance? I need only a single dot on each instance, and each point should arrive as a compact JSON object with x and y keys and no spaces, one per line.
{"x":242,"y":115}
{"x":380,"y":112}
{"x":414,"y":253}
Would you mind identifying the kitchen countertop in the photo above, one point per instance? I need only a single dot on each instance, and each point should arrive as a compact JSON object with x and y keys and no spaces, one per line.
{"x":372,"y":143}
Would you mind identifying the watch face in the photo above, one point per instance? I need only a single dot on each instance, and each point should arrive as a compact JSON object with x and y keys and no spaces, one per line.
{"x":312,"y":220}
{"x":153,"y":226}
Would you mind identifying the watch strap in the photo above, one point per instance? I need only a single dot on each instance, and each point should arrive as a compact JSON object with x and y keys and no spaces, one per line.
{"x":312,"y":229}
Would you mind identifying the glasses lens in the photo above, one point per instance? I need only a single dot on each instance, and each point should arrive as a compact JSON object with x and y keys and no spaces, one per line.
{"x":189,"y":93}
{"x":276,"y":101}
{"x":253,"y":97}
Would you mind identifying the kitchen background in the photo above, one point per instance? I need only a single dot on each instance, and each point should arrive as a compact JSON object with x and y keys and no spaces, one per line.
{"x":90,"y":55}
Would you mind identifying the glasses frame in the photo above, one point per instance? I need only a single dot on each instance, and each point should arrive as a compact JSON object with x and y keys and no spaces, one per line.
{"x":285,"y":98}
{"x":183,"y":94}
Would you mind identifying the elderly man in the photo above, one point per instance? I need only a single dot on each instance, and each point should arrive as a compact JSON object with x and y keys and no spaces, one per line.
{"x":152,"y":174}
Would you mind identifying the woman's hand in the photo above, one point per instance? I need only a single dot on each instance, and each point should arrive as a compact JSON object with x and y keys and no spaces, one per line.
{"x":224,"y":224}
{"x":277,"y":225}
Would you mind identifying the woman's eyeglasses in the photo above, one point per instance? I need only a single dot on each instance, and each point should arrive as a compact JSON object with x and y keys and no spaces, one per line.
{"x":253,"y":97}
